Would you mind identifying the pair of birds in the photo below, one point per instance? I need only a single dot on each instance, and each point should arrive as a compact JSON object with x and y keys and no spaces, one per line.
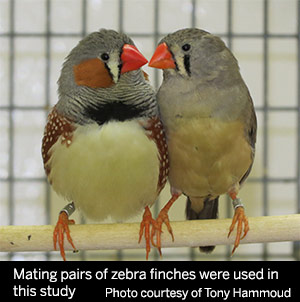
{"x":111,"y":141}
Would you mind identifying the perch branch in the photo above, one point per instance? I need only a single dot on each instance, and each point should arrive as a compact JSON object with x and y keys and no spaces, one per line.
{"x":125,"y":236}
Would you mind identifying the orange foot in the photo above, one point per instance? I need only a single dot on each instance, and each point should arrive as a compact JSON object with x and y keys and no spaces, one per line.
{"x":163,"y":218}
{"x":240,"y":218}
{"x":62,"y":226}
{"x":145,"y":224}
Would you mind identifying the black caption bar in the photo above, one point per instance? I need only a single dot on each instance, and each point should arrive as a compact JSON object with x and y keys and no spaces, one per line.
{"x":162,"y":281}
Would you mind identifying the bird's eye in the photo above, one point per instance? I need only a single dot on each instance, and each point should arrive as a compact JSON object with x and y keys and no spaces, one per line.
{"x":104,"y":56}
{"x":186,"y":47}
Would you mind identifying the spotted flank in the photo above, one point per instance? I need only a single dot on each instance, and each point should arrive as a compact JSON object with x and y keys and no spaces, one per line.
{"x":155,"y":131}
{"x":57,"y":126}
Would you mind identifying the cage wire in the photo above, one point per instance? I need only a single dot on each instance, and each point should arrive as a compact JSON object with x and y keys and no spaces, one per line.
{"x":35,"y":37}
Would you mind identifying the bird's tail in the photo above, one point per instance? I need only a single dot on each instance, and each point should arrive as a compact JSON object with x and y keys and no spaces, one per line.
{"x":209,"y":211}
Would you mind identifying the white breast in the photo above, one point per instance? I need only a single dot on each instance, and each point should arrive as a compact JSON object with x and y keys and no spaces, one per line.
{"x":107,"y":171}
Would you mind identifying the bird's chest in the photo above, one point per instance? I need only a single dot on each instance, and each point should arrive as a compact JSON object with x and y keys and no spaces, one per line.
{"x":207,"y":155}
{"x":113,"y":170}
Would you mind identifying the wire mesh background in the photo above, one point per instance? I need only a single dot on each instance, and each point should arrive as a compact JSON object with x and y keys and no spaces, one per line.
{"x":36,"y":35}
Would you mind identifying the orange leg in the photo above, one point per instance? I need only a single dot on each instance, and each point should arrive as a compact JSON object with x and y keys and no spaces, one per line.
{"x":240,"y":218}
{"x":145,"y":224}
{"x":62,"y":226}
{"x":164,"y":218}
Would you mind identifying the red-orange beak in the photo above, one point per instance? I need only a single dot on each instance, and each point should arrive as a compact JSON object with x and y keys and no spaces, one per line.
{"x":162,"y":58}
{"x":131,"y":58}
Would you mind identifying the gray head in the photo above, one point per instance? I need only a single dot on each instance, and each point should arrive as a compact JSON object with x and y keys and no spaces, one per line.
{"x":104,"y":68}
{"x":193,"y":52}
{"x":99,"y":60}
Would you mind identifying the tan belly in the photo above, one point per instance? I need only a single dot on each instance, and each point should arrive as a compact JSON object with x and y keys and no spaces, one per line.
{"x":207,"y":156}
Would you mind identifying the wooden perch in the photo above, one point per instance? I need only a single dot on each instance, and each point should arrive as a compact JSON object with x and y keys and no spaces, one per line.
{"x":125,"y":236}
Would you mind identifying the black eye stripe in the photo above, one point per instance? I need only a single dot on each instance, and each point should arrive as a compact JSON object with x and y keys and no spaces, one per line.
{"x":186,"y":47}
{"x":186,"y":61}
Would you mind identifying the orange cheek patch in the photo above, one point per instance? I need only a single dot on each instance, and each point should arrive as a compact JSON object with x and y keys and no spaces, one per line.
{"x":92,"y":73}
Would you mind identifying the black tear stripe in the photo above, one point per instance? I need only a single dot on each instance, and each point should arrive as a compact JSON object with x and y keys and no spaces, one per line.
{"x":121,"y":63}
{"x":117,"y":111}
{"x":186,"y":61}
{"x":119,"y":67}
{"x":108,"y":69}
{"x":111,"y":75}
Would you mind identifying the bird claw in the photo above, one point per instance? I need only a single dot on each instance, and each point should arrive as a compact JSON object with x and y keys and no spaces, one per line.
{"x":164,"y":218}
{"x":62,"y":226}
{"x":240,"y":218}
{"x":145,"y":225}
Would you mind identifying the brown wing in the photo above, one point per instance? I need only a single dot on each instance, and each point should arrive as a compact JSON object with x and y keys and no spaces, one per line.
{"x":57,"y":126}
{"x":251,"y":127}
{"x":250,"y":132}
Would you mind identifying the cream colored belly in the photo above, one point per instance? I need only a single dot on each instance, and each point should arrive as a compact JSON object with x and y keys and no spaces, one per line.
{"x":207,"y":156}
{"x":108,"y":171}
